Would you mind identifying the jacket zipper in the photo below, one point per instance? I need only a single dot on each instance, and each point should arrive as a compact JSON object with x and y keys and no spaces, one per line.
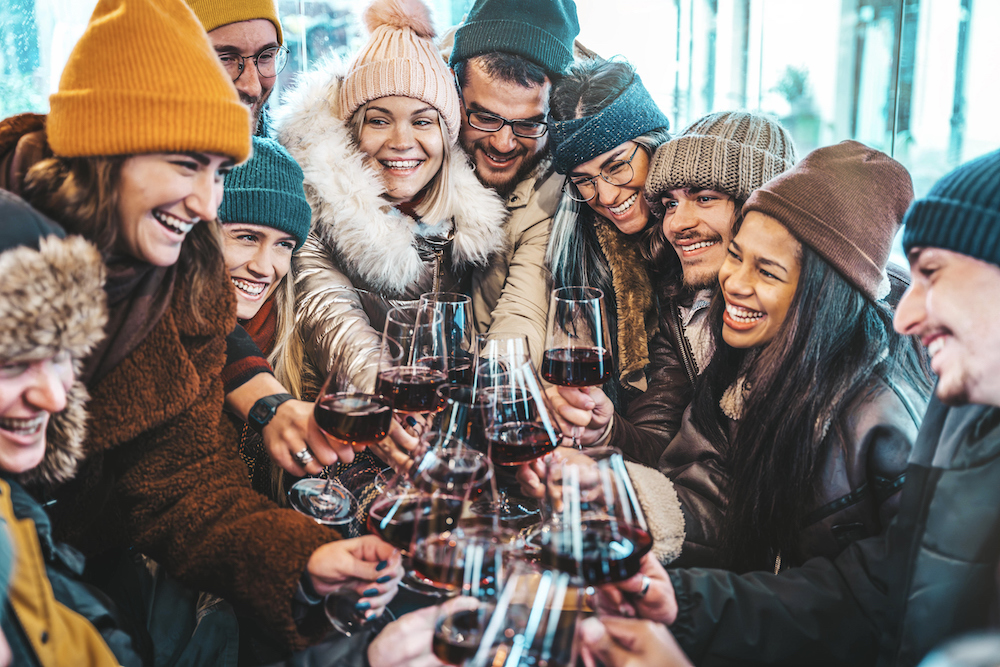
{"x":681,"y":341}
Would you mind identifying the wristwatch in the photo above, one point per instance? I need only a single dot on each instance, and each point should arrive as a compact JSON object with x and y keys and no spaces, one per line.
{"x":263,"y":410}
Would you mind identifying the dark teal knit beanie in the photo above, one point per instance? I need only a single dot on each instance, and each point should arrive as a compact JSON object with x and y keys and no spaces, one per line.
{"x":267,"y":190}
{"x":960,"y":213}
{"x":540,"y":30}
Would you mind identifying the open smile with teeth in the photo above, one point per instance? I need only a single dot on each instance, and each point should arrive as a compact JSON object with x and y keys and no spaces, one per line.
{"x":625,"y":205}
{"x":173,"y":223}
{"x":401,"y":164}
{"x":697,"y":246}
{"x":498,"y":159}
{"x":249,"y":287}
{"x":743,"y":315}
{"x":23,"y":426}
{"x":935,"y":346}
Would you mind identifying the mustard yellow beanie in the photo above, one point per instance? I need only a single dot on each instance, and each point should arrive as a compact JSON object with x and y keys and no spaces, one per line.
{"x":144,"y":79}
{"x":400,"y":59}
{"x":217,"y":13}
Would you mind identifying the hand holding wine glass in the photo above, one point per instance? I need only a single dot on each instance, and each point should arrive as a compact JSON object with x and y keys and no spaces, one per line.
{"x":586,"y":411}
{"x":577,"y":343}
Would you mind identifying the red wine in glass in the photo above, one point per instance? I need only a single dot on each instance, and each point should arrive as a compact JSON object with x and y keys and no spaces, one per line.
{"x":412,"y":388}
{"x":353,"y":417}
{"x":456,"y":637}
{"x":611,"y":552}
{"x":516,"y":443}
{"x":399,"y":519}
{"x":577,"y":366}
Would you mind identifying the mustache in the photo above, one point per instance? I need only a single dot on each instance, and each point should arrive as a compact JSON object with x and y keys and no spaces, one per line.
{"x":696,"y":237}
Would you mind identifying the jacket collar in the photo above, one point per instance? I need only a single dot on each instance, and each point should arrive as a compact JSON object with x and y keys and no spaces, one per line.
{"x":349,"y":213}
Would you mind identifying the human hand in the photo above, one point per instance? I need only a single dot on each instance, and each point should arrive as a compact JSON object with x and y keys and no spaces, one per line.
{"x":293,"y":429}
{"x":626,"y":598}
{"x":407,"y":641}
{"x":366,"y":564}
{"x":401,"y":446}
{"x":628,"y":642}
{"x":584,"y":411}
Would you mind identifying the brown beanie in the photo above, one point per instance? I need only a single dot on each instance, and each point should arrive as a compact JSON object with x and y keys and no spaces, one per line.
{"x":400,"y":59}
{"x":144,"y":79}
{"x":733,"y":152}
{"x":846,"y":202}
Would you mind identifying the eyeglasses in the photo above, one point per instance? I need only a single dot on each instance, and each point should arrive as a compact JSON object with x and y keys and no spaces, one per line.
{"x":616,"y":173}
{"x":268,"y":62}
{"x":484,"y":121}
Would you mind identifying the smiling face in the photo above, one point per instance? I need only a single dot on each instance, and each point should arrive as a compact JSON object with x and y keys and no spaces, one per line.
{"x":257,"y":258}
{"x":623,"y":204}
{"x":502,"y":159}
{"x":30,"y":392}
{"x":161,"y":197}
{"x":758,"y":280}
{"x":699,"y":225}
{"x":403,"y":136}
{"x":951,"y":305}
{"x":248,"y":38}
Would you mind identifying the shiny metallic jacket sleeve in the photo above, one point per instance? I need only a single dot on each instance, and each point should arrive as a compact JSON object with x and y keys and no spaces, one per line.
{"x":334,"y":327}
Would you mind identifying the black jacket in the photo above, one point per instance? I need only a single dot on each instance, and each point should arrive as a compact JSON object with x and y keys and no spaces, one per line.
{"x":885,"y":600}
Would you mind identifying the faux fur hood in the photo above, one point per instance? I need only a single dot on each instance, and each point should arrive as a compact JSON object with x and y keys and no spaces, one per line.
{"x":52,"y":300}
{"x":373,"y":241}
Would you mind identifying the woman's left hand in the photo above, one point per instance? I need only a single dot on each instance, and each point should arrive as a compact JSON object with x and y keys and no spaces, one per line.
{"x":649,"y":594}
{"x":293,"y":429}
{"x":367,"y":564}
{"x":402,"y":444}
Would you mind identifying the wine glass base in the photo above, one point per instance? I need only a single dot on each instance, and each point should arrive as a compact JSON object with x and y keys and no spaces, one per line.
{"x":335,"y":508}
{"x":413,"y":581}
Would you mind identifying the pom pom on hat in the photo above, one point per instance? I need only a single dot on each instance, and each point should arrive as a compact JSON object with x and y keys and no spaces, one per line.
{"x":400,"y":14}
{"x":400,"y":58}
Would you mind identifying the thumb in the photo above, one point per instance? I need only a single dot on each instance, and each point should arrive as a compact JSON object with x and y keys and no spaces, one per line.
{"x":600,"y":644}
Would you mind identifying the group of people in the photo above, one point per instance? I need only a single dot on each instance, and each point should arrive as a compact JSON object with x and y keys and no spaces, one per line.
{"x":184,"y":265}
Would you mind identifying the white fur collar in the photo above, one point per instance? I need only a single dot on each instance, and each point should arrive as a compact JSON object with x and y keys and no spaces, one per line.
{"x":372,"y":239}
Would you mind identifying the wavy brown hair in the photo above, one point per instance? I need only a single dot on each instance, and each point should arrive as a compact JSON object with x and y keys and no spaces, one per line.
{"x":81,"y":193}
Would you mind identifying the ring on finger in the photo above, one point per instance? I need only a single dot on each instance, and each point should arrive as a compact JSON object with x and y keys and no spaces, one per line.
{"x":305,"y":457}
{"x":646,"y":581}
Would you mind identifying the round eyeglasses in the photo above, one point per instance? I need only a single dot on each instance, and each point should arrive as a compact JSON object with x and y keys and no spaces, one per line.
{"x":616,"y":173}
{"x":268,"y":62}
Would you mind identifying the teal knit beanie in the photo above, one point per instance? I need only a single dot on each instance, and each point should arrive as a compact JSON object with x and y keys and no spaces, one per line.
{"x":267,"y":190}
{"x":540,"y":30}
{"x":960,"y":213}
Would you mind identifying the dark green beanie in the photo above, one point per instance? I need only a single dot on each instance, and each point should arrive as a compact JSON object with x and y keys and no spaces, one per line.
{"x":960,"y":213}
{"x":267,"y":190}
{"x":540,"y":30}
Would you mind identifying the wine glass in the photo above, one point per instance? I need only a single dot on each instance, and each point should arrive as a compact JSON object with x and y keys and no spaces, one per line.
{"x":413,"y":359}
{"x":518,"y":426}
{"x":577,"y":344}
{"x":456,"y":312}
{"x":596,"y":527}
{"x":534,"y":621}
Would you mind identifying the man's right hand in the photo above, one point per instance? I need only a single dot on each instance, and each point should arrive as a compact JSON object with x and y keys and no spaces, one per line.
{"x":585,"y":411}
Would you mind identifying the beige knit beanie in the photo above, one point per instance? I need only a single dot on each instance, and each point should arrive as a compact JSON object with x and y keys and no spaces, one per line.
{"x":400,"y":59}
{"x":734,"y":152}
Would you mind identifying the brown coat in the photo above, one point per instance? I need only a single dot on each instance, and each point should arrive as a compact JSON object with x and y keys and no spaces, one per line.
{"x":162,"y":472}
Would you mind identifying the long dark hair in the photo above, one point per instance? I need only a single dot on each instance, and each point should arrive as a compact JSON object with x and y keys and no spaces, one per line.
{"x":81,"y":194}
{"x":832,"y":343}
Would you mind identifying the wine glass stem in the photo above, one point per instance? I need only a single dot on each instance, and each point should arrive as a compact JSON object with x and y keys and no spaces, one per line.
{"x":330,"y":485}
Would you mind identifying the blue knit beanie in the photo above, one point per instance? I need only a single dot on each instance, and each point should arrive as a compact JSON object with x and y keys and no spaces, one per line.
{"x":960,"y":213}
{"x":267,"y":190}
{"x":540,"y":30}
{"x":631,"y":115}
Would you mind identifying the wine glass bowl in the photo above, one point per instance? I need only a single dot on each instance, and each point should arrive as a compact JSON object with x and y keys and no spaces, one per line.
{"x":413,"y":360}
{"x":456,"y":312}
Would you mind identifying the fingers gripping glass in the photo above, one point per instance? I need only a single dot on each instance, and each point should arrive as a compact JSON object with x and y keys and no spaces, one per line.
{"x":616,"y":173}
{"x":268,"y":62}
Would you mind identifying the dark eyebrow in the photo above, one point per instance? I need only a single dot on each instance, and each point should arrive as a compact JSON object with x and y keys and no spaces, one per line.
{"x":576,"y":174}
{"x":474,"y":106}
{"x":229,"y":48}
{"x":204,"y":160}
{"x":770,"y":262}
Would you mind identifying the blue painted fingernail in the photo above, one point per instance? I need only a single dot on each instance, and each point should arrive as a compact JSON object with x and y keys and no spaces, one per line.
{"x":370,"y":593}
{"x":383,"y":580}
{"x":411,"y":421}
{"x":382,"y":565}
{"x":363,"y":606}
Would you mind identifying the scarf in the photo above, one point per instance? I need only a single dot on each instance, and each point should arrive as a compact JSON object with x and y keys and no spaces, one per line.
{"x":263,"y":326}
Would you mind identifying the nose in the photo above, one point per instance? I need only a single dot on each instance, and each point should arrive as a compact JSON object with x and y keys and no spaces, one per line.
{"x":910,"y":313}
{"x":206,"y":195}
{"x":736,"y":280}
{"x":606,"y":193}
{"x":681,"y":219}
{"x":401,"y":137}
{"x":503,"y":140}
{"x":249,"y":81}
{"x":261,"y":263}
{"x":46,"y":390}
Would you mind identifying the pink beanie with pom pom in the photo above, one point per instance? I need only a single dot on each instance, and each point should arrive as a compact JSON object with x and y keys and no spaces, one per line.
{"x":400,"y":59}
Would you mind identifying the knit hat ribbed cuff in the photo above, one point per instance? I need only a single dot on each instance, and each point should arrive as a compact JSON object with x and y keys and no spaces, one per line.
{"x":955,"y":225}
{"x":544,"y":49}
{"x":217,"y":13}
{"x":78,"y":124}
{"x":272,"y":208}
{"x":830,"y":243}
{"x":632,"y":115}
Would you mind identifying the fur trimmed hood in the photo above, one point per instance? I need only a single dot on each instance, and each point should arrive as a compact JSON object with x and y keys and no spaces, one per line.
{"x":375,"y":244}
{"x":52,"y":300}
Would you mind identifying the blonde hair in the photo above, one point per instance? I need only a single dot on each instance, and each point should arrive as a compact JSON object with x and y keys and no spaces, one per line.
{"x":438,"y":204}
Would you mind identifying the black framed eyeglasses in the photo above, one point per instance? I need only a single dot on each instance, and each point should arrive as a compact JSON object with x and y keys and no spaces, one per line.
{"x":485,"y":121}
{"x":268,"y":61}
{"x":616,"y":173}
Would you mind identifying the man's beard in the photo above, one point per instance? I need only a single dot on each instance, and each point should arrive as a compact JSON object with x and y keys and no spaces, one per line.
{"x":256,"y":106}
{"x":506,"y":186}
